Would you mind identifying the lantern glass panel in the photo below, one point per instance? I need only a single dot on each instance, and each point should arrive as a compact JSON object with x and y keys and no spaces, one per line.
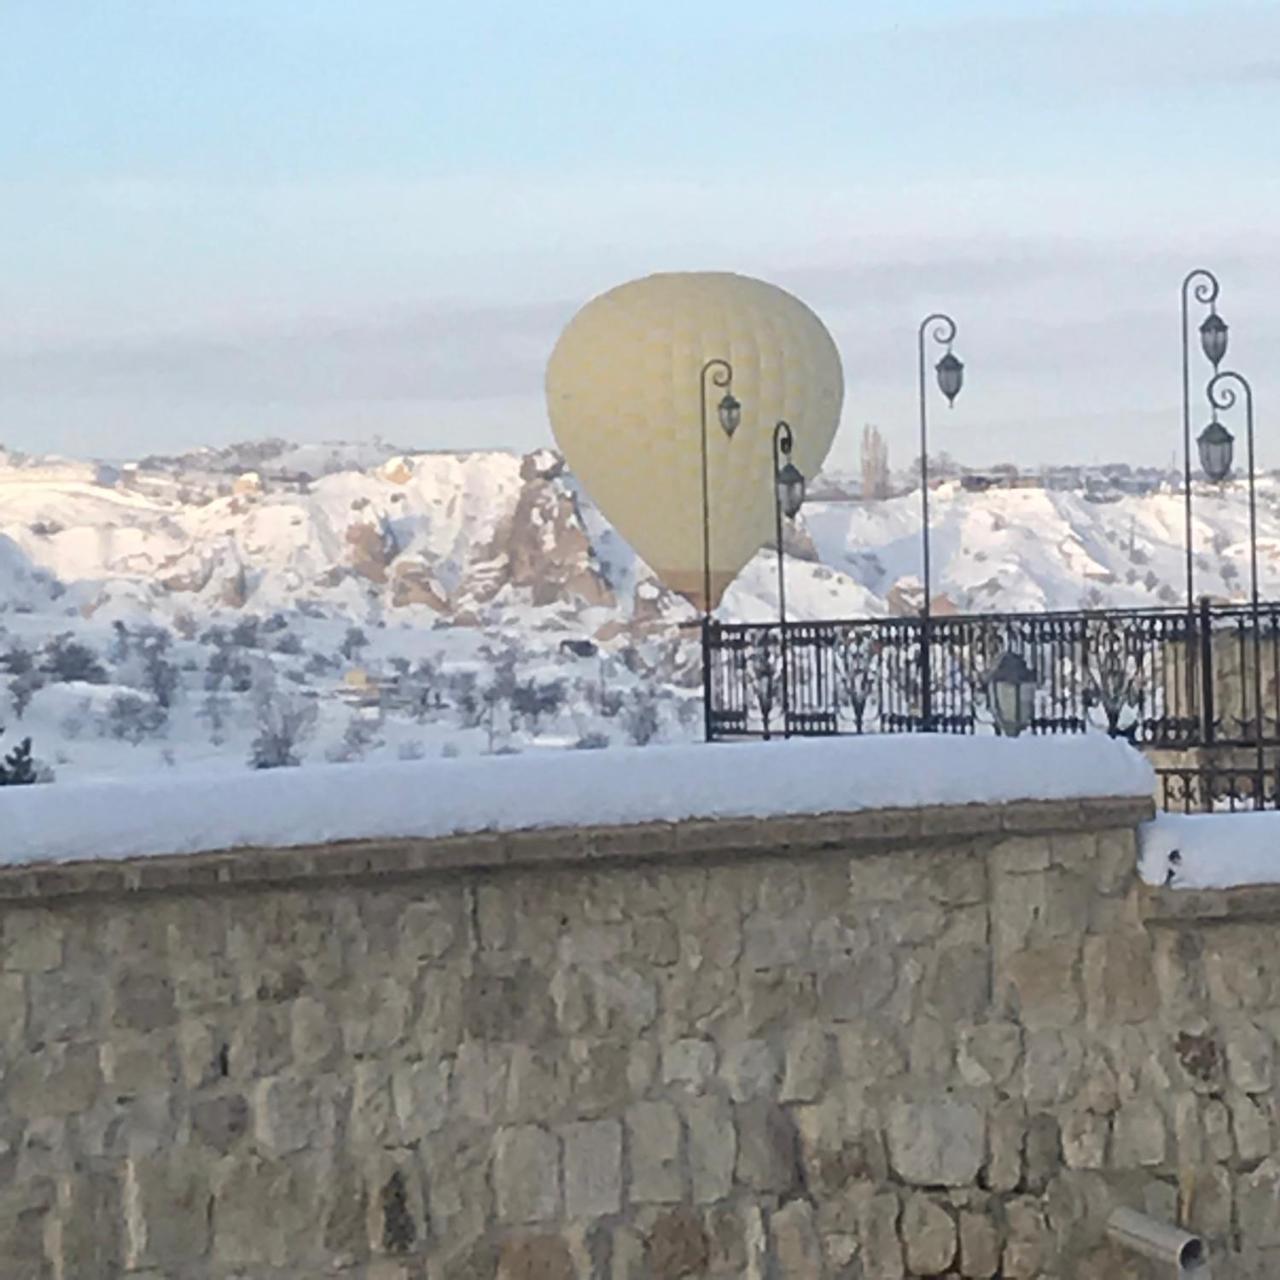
{"x":950,"y":376}
{"x":790,"y":485}
{"x":1216,"y":445}
{"x":1012,"y":688}
{"x":1213,"y":338}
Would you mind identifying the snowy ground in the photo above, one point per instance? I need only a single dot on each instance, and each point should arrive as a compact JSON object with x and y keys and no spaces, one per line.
{"x":1211,"y":851}
{"x":412,"y":607}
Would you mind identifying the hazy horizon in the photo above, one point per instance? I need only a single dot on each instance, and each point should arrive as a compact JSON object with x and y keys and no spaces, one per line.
{"x":903,"y":467}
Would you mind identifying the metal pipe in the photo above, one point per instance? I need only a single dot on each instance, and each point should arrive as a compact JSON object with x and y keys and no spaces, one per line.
{"x":1181,"y":1250}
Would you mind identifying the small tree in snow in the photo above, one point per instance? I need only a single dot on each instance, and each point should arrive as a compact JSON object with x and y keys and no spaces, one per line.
{"x":159,"y":676}
{"x":131,"y":717}
{"x":66,"y":660}
{"x":213,"y":711}
{"x":18,"y":769}
{"x":245,"y":632}
{"x":352,"y":643}
{"x":284,"y":723}
{"x":641,"y":718}
{"x":422,"y":689}
{"x":16,"y":660}
{"x":533,"y":701}
{"x":491,"y":717}
{"x":120,"y":643}
{"x":360,"y":734}
{"x":689,"y":712}
{"x":226,"y":664}
{"x":23,"y":689}
{"x":464,"y":691}
{"x":319,"y":664}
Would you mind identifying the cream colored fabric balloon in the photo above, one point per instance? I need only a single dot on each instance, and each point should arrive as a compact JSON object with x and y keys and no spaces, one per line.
{"x":623,"y":397}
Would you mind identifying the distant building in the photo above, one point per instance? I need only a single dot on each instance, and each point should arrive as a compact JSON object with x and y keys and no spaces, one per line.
{"x":1001,"y":477}
{"x":361,"y":687}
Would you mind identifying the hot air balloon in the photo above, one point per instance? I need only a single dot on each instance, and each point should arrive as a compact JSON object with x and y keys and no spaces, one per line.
{"x":624,"y":397}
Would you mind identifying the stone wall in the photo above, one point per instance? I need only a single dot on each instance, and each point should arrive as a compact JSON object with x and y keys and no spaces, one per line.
{"x":876,"y":1045}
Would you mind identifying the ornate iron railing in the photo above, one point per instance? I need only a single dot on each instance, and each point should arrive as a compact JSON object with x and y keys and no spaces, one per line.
{"x":1218,"y":788}
{"x":1161,"y":678}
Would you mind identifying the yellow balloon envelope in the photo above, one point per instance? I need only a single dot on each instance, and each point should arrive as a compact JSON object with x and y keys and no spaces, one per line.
{"x":624,"y":397}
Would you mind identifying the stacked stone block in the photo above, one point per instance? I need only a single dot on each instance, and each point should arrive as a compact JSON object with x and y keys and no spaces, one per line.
{"x":872,"y":1047}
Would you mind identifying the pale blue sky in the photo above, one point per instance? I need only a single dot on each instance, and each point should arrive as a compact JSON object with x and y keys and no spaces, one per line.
{"x":228,"y":218}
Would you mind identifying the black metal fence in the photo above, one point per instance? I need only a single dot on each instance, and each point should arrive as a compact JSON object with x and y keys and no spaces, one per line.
{"x":1164,"y":679}
{"x":1218,"y":788}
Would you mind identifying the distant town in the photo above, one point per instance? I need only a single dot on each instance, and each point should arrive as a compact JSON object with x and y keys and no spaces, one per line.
{"x":1098,"y":482}
{"x":283,"y":466}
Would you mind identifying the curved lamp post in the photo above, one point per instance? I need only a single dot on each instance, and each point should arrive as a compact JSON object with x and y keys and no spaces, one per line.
{"x":1203,"y":286}
{"x":950,"y":375}
{"x":715,"y":373}
{"x":1216,"y":445}
{"x":788,"y":497}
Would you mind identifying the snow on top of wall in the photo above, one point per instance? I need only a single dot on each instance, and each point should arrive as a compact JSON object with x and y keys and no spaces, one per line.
{"x":1211,"y":850}
{"x":164,"y":814}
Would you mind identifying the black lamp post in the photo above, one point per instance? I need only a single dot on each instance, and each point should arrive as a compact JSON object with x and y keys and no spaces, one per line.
{"x":715,"y":373}
{"x":1203,"y":285}
{"x":950,"y":374}
{"x":788,"y":497}
{"x":1216,"y":446}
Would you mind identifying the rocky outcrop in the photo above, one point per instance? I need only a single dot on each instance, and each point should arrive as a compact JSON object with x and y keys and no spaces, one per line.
{"x":471,"y":537}
{"x":371,"y":547}
{"x":906,"y":597}
{"x":218,"y":573}
{"x":542,"y":546}
{"x":233,"y":590}
{"x":652,"y":604}
{"x":798,"y":542}
{"x":412,"y":582}
{"x":192,"y":578}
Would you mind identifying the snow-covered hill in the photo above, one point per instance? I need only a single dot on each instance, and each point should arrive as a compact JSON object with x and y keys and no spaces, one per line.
{"x":357,"y":600}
